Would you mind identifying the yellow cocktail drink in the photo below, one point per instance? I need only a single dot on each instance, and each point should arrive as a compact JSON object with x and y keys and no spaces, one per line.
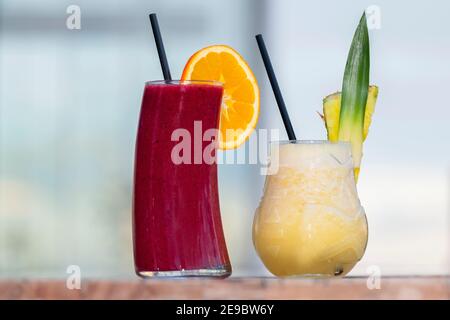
{"x":310,"y":221}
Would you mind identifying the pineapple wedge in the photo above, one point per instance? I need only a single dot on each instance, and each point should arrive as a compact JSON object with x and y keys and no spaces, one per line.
{"x":332,"y":110}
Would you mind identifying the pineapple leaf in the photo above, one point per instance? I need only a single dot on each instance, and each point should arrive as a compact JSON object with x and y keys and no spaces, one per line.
{"x":355,"y":85}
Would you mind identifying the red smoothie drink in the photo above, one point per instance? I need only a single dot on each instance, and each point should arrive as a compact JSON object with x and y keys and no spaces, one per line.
{"x":176,"y":216}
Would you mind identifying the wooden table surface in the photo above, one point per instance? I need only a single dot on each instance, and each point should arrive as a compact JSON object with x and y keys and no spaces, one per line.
{"x":437,"y":287}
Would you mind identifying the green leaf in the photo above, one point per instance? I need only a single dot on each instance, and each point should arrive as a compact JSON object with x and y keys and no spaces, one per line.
{"x":355,"y":85}
{"x":355,"y":88}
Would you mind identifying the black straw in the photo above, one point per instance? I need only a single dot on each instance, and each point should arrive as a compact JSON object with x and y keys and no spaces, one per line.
{"x":160,"y":47}
{"x":275,"y":88}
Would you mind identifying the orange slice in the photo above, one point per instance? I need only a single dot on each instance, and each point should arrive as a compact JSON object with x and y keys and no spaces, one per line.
{"x":240,"y":103}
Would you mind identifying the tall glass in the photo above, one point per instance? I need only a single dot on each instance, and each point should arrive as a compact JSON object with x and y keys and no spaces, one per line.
{"x":310,"y":221}
{"x":176,"y":216}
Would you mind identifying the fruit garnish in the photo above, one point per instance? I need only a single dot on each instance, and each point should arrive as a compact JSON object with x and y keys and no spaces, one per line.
{"x":240,"y":103}
{"x":355,"y":89}
{"x":332,"y":109}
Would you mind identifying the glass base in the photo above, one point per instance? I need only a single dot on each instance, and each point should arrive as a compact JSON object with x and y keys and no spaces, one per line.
{"x":212,"y":273}
{"x":314,"y":276}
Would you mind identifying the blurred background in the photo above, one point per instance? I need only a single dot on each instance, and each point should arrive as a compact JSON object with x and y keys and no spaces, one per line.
{"x":69,"y":104}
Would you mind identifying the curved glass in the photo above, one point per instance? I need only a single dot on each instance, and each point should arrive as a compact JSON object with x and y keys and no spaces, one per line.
{"x":183,"y":82}
{"x":177,"y":227}
{"x":310,"y":221}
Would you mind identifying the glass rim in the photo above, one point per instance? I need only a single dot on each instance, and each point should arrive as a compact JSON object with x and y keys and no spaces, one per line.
{"x":311,"y":142}
{"x":183,"y":82}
